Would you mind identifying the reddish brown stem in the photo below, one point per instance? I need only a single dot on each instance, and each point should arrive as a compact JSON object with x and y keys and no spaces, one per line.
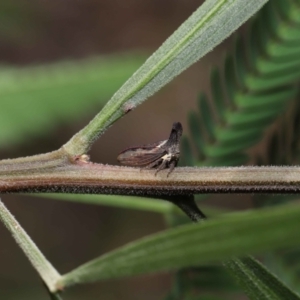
{"x":67,"y":175}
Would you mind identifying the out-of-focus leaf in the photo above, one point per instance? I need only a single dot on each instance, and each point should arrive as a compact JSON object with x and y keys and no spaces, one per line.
{"x":130,"y":202}
{"x":195,"y":244}
{"x":35,"y":99}
{"x":257,"y":281}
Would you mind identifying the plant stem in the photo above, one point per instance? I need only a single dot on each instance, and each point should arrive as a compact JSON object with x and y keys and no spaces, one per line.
{"x":90,"y":178}
{"x":47,"y":272}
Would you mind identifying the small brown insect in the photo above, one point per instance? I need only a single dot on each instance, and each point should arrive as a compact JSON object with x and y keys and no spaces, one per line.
{"x":161,"y":155}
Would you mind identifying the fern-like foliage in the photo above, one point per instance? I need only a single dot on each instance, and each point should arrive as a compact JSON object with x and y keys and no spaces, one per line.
{"x":256,"y":85}
{"x":284,"y":148}
{"x":36,"y":99}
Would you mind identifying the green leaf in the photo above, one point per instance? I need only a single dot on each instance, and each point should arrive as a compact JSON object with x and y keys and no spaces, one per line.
{"x":207,"y":27}
{"x":40,"y":98}
{"x":196,"y":244}
{"x":257,"y":281}
{"x":129,"y":202}
{"x":286,"y":265}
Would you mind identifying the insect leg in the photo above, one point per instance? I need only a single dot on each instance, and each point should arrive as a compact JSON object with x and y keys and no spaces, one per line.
{"x":172,"y":167}
{"x":162,"y":166}
{"x":152,"y":165}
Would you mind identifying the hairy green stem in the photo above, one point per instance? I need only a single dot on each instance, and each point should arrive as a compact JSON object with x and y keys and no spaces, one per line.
{"x":47,"y":272}
{"x":91,"y":178}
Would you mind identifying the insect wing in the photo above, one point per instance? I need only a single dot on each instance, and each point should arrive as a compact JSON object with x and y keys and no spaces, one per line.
{"x":141,"y":156}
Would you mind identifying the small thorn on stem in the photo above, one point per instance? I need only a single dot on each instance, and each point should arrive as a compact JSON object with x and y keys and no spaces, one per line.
{"x":128,"y":107}
{"x":84,"y":158}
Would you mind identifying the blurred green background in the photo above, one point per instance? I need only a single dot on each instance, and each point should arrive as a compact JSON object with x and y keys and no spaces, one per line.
{"x":60,"y":61}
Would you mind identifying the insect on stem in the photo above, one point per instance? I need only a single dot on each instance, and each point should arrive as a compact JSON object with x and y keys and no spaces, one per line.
{"x":161,"y":155}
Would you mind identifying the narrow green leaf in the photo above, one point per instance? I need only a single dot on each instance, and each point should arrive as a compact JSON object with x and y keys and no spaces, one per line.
{"x":40,"y":98}
{"x":257,"y":281}
{"x":208,"y":26}
{"x":130,"y":202}
{"x":194,"y":244}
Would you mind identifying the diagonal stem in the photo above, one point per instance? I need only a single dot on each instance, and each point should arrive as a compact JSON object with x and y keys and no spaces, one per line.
{"x":47,"y":272}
